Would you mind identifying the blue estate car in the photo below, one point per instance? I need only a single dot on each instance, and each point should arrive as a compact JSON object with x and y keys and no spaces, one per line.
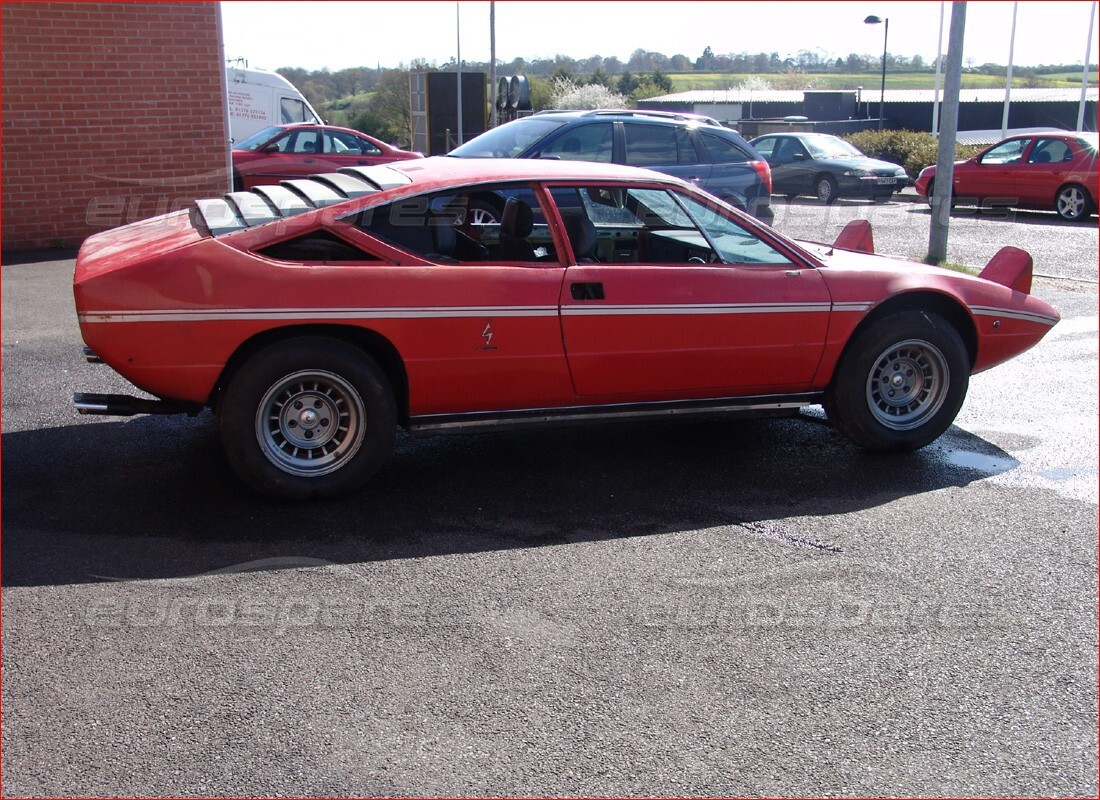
{"x":689,"y":146}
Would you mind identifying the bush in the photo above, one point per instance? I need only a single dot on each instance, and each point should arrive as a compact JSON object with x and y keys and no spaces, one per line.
{"x":911,"y":149}
{"x":567,"y":95}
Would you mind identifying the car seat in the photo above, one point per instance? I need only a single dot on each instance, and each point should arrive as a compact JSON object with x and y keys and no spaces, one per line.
{"x":516,"y":223}
{"x":582,"y":237}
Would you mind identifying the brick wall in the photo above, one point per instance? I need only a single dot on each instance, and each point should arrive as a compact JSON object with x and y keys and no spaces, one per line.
{"x":111,"y":112}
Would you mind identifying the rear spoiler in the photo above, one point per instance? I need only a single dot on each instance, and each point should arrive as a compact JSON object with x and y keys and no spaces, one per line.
{"x":1011,"y":267}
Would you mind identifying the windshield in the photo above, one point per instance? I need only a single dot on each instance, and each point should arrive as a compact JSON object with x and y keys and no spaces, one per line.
{"x":257,"y":139}
{"x":829,"y":147}
{"x":507,"y":141}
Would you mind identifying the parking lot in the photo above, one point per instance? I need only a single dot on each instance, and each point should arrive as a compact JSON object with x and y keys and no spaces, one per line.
{"x":703,"y":608}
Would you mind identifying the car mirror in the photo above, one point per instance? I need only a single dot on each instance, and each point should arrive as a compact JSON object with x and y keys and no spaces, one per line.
{"x":271,"y":148}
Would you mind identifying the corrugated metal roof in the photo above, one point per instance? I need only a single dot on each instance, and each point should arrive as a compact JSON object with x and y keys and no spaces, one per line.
{"x":871,"y":94}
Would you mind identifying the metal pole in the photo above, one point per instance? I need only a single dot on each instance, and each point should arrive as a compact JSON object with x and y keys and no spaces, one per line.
{"x":882,"y":94}
{"x":492,"y":64}
{"x":458,"y":64}
{"x":1085,"y":71}
{"x":945,"y":154}
{"x":1008,"y":80}
{"x":939,"y":63}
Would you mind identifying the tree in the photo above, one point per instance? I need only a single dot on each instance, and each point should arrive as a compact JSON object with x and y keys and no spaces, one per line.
{"x":566,"y":94}
{"x":705,"y":62}
{"x":392,"y":101}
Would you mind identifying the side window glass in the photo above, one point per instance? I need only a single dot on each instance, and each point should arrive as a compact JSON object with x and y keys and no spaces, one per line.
{"x":735,"y":244}
{"x":650,"y":145}
{"x":619,"y":225}
{"x":1049,"y":151}
{"x":592,"y":142}
{"x":366,"y":147}
{"x":765,"y":147}
{"x":306,"y":142}
{"x":453,"y":227}
{"x":293,"y":110}
{"x":1006,"y":153}
{"x":721,"y":150}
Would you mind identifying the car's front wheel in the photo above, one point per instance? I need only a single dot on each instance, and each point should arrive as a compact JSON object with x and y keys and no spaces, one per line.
{"x":900,"y":382}
{"x":308,"y":417}
{"x":826,"y":189}
{"x":1073,"y":203}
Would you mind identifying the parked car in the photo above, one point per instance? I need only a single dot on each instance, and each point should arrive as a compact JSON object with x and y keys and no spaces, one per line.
{"x":1045,"y":171}
{"x":689,"y":146}
{"x":279,"y":152}
{"x":827,"y":167}
{"x":316,"y":316}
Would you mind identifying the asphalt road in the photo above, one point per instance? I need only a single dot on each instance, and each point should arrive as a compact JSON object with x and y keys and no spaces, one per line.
{"x":751,"y":608}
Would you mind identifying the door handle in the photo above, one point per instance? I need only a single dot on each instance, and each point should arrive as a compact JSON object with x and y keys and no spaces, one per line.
{"x":586,"y":291}
{"x":307,"y":160}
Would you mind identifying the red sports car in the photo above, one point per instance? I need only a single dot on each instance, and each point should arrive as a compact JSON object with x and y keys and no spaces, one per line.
{"x":300,"y":150}
{"x":316,"y":316}
{"x":1040,"y":170}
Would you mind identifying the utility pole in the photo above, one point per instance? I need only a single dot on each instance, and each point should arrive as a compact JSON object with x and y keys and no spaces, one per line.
{"x":949,"y":126}
{"x":458,"y":63}
{"x":1085,"y":71}
{"x":492,"y":64}
{"x":1008,"y":81}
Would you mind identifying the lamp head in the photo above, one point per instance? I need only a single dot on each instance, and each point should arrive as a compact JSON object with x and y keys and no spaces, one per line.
{"x":873,"y":20}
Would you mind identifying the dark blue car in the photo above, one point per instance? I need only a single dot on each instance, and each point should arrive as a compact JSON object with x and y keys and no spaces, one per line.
{"x":692,"y":147}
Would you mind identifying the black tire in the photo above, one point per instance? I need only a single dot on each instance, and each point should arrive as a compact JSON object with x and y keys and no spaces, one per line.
{"x":931,"y":189}
{"x":1073,"y":202}
{"x":900,"y":382}
{"x":280,"y":412}
{"x":826,"y":189}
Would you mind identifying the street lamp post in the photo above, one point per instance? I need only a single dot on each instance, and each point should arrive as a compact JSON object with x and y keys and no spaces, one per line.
{"x":873,"y":20}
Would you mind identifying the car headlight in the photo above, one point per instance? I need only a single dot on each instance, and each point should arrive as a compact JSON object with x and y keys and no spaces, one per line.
{"x":858,"y":173}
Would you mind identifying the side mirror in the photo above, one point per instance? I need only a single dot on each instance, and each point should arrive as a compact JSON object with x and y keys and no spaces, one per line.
{"x":271,"y":148}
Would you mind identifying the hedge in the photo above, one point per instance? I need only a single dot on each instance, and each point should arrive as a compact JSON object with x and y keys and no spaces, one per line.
{"x":911,"y":149}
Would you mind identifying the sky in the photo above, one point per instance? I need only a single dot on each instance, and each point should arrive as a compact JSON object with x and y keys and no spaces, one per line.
{"x":338,"y":35}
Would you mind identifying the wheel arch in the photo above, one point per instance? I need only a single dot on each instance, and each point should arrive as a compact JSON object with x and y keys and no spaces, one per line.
{"x":944,"y":305}
{"x":373,"y":344}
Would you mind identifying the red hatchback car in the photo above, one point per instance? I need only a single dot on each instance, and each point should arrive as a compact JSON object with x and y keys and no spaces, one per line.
{"x":316,"y":316}
{"x":296,"y":151}
{"x":1045,"y":171}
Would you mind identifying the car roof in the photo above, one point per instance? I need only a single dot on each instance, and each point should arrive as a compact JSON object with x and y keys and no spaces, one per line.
{"x":641,"y":114}
{"x":447,"y":170}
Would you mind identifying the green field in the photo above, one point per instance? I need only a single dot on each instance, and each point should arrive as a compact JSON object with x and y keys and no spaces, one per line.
{"x":686,"y":81}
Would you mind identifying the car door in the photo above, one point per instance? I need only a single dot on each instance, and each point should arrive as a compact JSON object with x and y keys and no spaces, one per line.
{"x":681,"y":300}
{"x":344,"y":149}
{"x":292,"y":155}
{"x":992,"y":174}
{"x":1042,"y":171}
{"x":476,"y":324}
{"x":787,"y":161}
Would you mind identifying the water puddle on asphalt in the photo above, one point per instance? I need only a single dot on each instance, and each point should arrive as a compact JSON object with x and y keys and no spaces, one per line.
{"x":980,"y":462}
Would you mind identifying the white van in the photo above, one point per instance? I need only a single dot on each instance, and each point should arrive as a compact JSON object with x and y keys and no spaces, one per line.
{"x":258,"y":98}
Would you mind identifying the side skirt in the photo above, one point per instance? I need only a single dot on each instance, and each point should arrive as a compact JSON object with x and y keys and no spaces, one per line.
{"x":756,"y":406}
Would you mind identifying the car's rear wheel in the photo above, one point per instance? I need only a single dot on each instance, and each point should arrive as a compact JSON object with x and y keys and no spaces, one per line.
{"x":900,"y":382}
{"x":1073,"y":202}
{"x":308,"y":417}
{"x":825,"y":188}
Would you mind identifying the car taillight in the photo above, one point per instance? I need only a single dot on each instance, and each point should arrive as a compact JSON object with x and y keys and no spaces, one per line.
{"x":765,"y":173}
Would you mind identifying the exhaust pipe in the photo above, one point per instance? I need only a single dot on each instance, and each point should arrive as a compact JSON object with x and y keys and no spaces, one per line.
{"x":122,"y":405}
